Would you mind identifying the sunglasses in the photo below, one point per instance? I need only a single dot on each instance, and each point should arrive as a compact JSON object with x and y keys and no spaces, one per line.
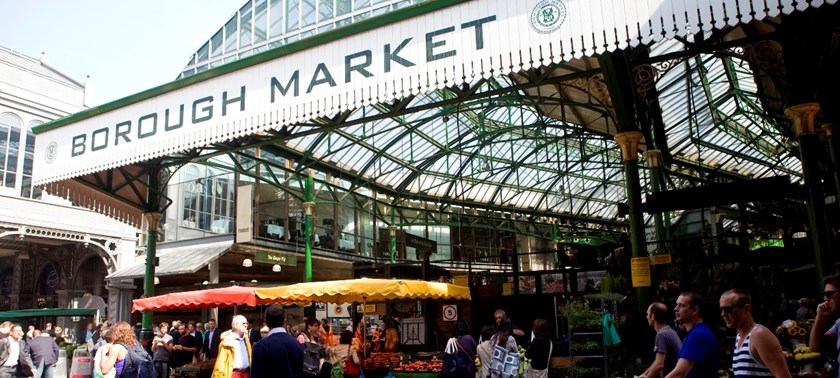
{"x":729,"y":309}
{"x":830,"y":293}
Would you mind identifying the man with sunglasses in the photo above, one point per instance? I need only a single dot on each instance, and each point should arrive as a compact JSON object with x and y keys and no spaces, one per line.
{"x":825,"y":311}
{"x":757,"y":350}
{"x":698,"y":355}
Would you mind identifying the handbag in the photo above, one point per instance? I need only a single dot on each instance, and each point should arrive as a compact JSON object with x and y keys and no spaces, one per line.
{"x":504,"y":363}
{"x":350,"y":367}
{"x":455,"y":360}
{"x":530,"y":372}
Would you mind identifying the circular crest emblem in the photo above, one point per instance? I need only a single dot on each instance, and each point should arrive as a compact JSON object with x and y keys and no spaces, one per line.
{"x":52,"y":152}
{"x":548,"y":15}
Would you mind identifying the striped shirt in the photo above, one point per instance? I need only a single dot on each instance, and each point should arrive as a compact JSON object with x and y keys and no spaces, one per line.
{"x":743,"y":363}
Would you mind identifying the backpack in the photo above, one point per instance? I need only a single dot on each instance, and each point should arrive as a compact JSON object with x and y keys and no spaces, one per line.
{"x":311,"y":359}
{"x":138,"y":363}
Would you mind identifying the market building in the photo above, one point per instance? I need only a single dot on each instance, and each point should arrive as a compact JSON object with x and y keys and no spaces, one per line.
{"x":53,"y":253}
{"x":514,"y":144}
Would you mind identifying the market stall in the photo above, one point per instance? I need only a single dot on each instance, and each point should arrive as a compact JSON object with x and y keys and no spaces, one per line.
{"x":365,"y":290}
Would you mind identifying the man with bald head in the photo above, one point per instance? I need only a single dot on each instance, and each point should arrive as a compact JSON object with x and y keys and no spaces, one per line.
{"x":667,"y":344}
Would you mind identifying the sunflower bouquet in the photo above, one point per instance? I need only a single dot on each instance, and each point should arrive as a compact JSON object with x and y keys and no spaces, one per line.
{"x":793,"y":333}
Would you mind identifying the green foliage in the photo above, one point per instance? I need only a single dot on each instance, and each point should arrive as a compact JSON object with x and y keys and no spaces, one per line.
{"x":580,"y":317}
{"x":586,"y":371}
{"x":587,"y":346}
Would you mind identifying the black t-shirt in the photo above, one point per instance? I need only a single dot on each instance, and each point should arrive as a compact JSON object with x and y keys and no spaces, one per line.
{"x":183,"y":357}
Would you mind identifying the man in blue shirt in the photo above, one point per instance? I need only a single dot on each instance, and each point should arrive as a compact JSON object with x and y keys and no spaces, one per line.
{"x":698,"y":356}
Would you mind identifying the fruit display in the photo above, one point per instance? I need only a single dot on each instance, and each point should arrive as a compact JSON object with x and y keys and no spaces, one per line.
{"x":434,"y":365}
{"x":382,"y":361}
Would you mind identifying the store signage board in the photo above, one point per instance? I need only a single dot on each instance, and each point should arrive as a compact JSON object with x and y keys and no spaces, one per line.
{"x":244,"y":212}
{"x":660,"y":259}
{"x":461,"y":280}
{"x":412,"y":51}
{"x":275,"y":258}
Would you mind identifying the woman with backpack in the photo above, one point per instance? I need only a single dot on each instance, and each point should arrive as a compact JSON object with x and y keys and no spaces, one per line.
{"x":504,"y":339}
{"x":122,"y":334}
{"x":345,"y":357}
{"x":467,"y":344}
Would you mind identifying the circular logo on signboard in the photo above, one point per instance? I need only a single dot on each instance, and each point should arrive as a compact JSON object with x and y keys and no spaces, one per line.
{"x":548,"y":15}
{"x":52,"y":151}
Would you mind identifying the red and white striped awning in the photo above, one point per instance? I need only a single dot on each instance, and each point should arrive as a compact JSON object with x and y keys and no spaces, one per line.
{"x":413,"y":50}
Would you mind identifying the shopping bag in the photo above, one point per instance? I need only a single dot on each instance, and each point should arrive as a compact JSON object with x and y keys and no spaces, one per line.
{"x":454,"y":360}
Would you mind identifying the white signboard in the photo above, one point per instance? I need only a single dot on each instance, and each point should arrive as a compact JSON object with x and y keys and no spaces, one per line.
{"x":433,"y":46}
{"x":244,"y":214}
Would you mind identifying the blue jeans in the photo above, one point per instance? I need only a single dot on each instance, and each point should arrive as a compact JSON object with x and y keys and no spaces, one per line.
{"x":44,"y":370}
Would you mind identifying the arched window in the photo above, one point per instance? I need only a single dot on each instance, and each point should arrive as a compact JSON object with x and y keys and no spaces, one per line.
{"x":6,"y":280}
{"x":10,"y":126}
{"x":48,"y":282}
{"x":26,"y":188}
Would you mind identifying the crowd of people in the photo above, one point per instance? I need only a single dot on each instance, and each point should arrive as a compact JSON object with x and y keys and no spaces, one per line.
{"x":30,"y":354}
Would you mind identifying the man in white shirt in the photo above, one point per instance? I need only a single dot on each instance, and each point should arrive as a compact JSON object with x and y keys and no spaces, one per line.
{"x":14,"y":360}
{"x":234,"y":359}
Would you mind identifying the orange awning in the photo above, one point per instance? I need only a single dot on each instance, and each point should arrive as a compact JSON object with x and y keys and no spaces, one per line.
{"x":209,"y":298}
{"x":362,"y":290}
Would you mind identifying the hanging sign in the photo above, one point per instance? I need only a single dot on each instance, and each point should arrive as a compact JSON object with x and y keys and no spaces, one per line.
{"x":450,"y":313}
{"x":660,"y":259}
{"x":640,"y":271}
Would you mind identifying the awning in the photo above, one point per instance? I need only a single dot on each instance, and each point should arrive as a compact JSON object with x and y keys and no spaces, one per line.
{"x":363,"y":289}
{"x":177,"y":260}
{"x":414,"y":50}
{"x":42,"y":312}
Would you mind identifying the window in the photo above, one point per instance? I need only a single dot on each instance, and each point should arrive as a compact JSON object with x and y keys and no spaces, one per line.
{"x":208,"y":201}
{"x":10,"y":126}
{"x":26,"y":188}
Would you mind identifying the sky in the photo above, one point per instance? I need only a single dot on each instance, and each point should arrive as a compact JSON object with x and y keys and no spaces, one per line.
{"x":124,"y":46}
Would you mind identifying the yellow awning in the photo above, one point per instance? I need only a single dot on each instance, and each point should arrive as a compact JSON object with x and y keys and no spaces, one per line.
{"x":364,"y":290}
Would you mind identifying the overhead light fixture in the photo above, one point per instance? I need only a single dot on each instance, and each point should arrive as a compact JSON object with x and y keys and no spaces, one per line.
{"x":205,"y":283}
{"x":247,"y":263}
{"x":254,"y":281}
{"x":276,"y":268}
{"x":157,"y":280}
{"x":799,"y":235}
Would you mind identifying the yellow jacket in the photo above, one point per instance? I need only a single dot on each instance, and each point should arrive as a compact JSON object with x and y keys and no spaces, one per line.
{"x":224,"y":361}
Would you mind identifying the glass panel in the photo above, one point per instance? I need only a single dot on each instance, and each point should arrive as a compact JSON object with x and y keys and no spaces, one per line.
{"x":216,"y":44}
{"x":27,"y":163}
{"x":12,"y":160}
{"x":362,"y":4}
{"x":292,"y":14}
{"x":14,"y":138}
{"x":230,"y":35}
{"x":203,"y":52}
{"x":10,"y":180}
{"x":325,"y":10}
{"x":245,"y":26}
{"x":30,"y":142}
{"x":307,"y":12}
{"x":343,"y":7}
{"x":26,"y":187}
{"x":4,"y":136}
{"x":275,"y":16}
{"x":260,"y":20}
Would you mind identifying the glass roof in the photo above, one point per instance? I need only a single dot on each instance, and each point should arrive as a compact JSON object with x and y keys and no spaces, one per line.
{"x":547,"y":149}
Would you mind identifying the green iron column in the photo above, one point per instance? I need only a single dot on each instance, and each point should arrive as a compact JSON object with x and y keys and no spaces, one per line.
{"x":802,"y":116}
{"x":835,"y":160}
{"x":392,"y":238}
{"x":654,"y":159}
{"x":152,"y":215}
{"x":309,"y":208}
{"x":554,"y":243}
{"x":629,"y":143}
